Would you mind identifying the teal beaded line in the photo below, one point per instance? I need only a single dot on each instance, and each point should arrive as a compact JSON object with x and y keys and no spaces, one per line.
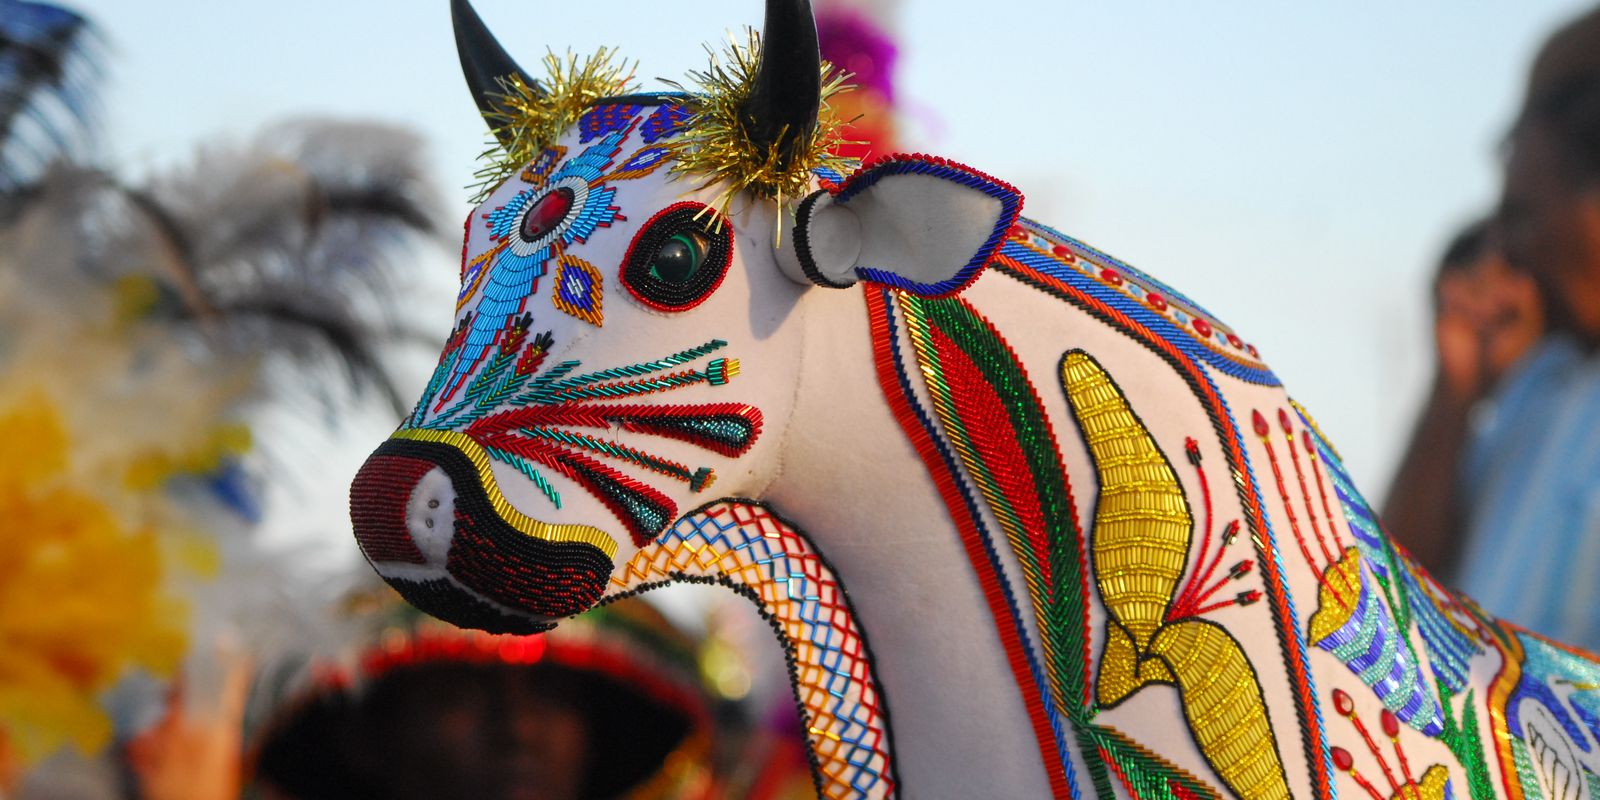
{"x":498,"y":385}
{"x":527,"y":469}
{"x":661,"y":465}
{"x":609,"y":391}
{"x":482,"y":402}
{"x":635,"y":370}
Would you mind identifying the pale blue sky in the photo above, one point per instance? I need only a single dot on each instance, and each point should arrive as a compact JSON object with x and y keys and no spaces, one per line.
{"x":1294,"y":167}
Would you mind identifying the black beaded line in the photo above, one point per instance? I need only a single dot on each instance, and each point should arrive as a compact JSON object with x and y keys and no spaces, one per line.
{"x":443,"y":599}
{"x":490,"y":557}
{"x":1311,"y":749}
{"x":802,"y":243}
{"x":647,"y":99}
{"x":670,"y":221}
{"x":790,"y":659}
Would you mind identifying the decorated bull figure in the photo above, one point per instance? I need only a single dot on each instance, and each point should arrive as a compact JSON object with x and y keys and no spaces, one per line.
{"x":1026,"y":522}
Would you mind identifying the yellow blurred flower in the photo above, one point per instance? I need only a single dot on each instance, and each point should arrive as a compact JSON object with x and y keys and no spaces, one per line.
{"x":81,"y":594}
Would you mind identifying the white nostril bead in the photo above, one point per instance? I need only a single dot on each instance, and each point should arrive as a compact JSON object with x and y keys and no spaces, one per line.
{"x":430,"y":515}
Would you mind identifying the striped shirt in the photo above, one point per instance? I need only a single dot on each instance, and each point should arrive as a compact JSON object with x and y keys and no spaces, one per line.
{"x":1531,"y":479}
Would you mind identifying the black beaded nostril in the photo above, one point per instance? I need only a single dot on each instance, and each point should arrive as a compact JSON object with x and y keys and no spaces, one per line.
{"x":485,"y":572}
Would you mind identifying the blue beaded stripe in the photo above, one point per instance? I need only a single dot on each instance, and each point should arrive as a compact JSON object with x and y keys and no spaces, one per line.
{"x":1358,"y":515}
{"x":1369,"y":644}
{"x":829,"y":175}
{"x":1149,"y":318}
{"x":759,"y":549}
{"x":1449,"y":648}
{"x":1139,"y":275}
{"x":1057,"y":727}
{"x":1010,"y":205}
{"x":1545,"y":665}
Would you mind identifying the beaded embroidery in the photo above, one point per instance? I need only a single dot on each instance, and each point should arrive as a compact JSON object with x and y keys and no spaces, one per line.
{"x":983,"y":432}
{"x":522,"y":417}
{"x":1448,"y":630}
{"x":1435,"y":783}
{"x":917,"y":164}
{"x":676,"y":222}
{"x":1034,"y":268}
{"x":516,"y":261}
{"x":578,"y":290}
{"x":744,"y":545}
{"x":1009,"y":453}
{"x":1140,"y":544}
{"x":667,"y":122}
{"x":893,"y":378}
{"x":1140,"y":297}
{"x":1351,"y":620}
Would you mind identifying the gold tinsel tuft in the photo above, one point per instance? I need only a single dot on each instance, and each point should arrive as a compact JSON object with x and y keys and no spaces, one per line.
{"x":716,"y":146}
{"x":528,"y":119}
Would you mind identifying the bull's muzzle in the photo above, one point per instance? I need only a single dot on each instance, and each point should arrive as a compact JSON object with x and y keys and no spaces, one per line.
{"x":429,"y":516}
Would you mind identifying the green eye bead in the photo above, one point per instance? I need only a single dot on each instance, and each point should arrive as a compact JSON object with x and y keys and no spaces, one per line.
{"x":678,"y":258}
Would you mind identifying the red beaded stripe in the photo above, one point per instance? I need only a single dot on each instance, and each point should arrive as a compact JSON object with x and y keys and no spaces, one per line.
{"x":883,"y":359}
{"x":378,"y":498}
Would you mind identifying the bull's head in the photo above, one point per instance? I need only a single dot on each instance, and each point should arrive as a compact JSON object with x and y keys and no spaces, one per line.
{"x":612,"y":290}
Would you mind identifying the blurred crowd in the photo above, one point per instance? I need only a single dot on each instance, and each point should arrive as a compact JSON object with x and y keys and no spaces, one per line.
{"x":1499,"y":489}
{"x":144,"y":326}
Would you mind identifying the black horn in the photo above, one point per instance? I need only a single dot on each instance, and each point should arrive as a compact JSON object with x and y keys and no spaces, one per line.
{"x":783,"y":103}
{"x":483,"y":60}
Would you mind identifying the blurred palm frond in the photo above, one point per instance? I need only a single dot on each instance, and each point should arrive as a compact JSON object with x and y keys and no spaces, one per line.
{"x":49,"y":64}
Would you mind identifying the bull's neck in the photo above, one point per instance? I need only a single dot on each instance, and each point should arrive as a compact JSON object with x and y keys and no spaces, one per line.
{"x":932,"y":603}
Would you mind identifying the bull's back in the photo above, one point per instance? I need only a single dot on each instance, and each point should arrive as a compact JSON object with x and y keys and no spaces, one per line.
{"x":1211,"y":601}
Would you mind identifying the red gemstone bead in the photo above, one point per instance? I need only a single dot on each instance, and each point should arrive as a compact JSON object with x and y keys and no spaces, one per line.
{"x":1111,"y":276}
{"x":1061,"y":250}
{"x":1391,"y":723}
{"x":1283,"y":421}
{"x":1235,"y":341}
{"x":1305,"y":436}
{"x":1253,"y":352}
{"x":547,"y":212}
{"x":1259,"y":423}
{"x":1202,"y":327}
{"x":1342,"y":703}
{"x":1156,"y":301}
{"x":1342,"y":759}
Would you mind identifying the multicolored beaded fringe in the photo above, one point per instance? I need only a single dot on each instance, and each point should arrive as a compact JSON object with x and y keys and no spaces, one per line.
{"x":744,"y":545}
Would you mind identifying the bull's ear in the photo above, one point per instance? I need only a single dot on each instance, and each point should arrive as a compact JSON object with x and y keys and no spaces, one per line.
{"x":913,"y":222}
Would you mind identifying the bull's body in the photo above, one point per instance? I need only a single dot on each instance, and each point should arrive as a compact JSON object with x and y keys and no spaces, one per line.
{"x":1094,"y":547}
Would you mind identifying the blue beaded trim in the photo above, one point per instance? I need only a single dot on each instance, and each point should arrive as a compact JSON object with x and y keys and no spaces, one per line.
{"x":1145,"y":316}
{"x":1010,"y":205}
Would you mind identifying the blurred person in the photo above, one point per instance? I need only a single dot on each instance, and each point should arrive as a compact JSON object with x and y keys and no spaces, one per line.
{"x":609,"y":705}
{"x":1487,"y":317}
{"x":1516,"y":494}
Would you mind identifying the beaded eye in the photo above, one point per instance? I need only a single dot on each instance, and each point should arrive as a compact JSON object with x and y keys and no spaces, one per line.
{"x":679,"y":257}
